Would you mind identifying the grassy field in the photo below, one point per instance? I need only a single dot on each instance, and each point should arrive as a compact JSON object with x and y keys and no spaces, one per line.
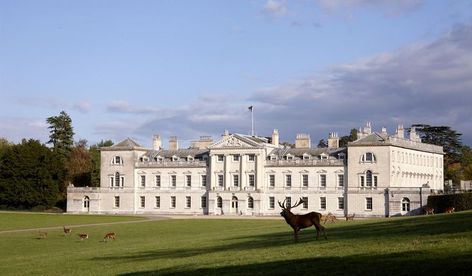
{"x":432,"y":245}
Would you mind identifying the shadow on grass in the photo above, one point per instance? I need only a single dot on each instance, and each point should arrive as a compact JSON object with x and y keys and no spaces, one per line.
{"x":416,"y":263}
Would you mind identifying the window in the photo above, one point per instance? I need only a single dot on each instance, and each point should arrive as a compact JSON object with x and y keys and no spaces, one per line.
{"x":220,"y":180}
{"x":323,"y":203}
{"x":288,"y":200}
{"x":188,"y":180}
{"x":86,"y":202}
{"x":250,"y":203}
{"x":375,"y":181}
{"x":368,"y":203}
{"x":220,"y":158}
{"x":405,"y":204}
{"x":306,"y":157}
{"x":323,"y":180}
{"x":341,"y":203}
{"x":251,"y":157}
{"x":175,"y":158}
{"x":368,"y":157}
{"x":143,"y":201}
{"x":340,"y":180}
{"x":117,"y":202}
{"x":341,"y":156}
{"x":368,"y":179}
{"x":288,"y":180}
{"x":204,"y":180}
{"x":235,"y":158}
{"x":158,"y":181}
{"x":172,"y":202}
{"x":204,"y":201}
{"x":188,"y":202}
{"x":173,"y":180}
{"x":305,"y":180}
{"x":117,"y":179}
{"x":252,"y":181}
{"x":235,"y":180}
{"x":305,"y":202}
{"x":289,"y":157}
{"x":219,"y":202}
{"x":362,"y":180}
{"x":117,"y":160}
{"x":271,"y":202}
{"x":271,"y":180}
{"x":158,"y":202}
{"x":143,"y":180}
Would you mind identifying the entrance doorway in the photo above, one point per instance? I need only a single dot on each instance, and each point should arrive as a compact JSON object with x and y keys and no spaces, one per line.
{"x":234,"y":205}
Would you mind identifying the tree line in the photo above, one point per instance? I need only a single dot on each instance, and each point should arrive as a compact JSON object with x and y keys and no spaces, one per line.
{"x":34,"y":175}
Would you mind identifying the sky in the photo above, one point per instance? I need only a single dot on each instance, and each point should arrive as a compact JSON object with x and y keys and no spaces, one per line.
{"x":192,"y":68}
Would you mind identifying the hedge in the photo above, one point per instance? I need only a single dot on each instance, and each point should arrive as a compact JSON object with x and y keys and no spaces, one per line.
{"x":460,"y":202}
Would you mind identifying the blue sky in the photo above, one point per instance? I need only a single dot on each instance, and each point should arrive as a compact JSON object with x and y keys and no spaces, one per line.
{"x":190,"y":68}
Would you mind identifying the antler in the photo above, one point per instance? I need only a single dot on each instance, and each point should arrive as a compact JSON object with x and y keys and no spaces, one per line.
{"x":298,"y":203}
{"x":282,"y":205}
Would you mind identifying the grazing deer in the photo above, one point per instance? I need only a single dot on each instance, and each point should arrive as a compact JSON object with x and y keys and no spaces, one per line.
{"x":329,"y":218}
{"x":67,"y":231}
{"x":428,"y":210}
{"x":298,"y":222}
{"x":109,"y":236}
{"x":83,"y":236}
{"x":450,"y":210}
{"x":350,"y":217}
{"x":42,"y":235}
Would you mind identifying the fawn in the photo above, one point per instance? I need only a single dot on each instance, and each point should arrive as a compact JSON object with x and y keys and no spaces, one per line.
{"x":67,"y":231}
{"x":83,"y":236}
{"x":43,"y":235}
{"x":109,"y":236}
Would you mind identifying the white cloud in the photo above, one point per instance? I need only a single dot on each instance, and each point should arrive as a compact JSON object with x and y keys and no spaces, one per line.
{"x":82,"y":106}
{"x":275,"y":8}
{"x":387,"y":6}
{"x":16,"y":128}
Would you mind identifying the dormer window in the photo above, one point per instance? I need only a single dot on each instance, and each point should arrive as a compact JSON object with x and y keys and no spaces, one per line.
{"x":323,"y":156}
{"x":289,"y":157}
{"x":273,"y":157}
{"x":342,"y":156}
{"x":189,"y":158}
{"x":306,"y":156}
{"x":368,"y":157}
{"x":117,"y":160}
{"x":175,"y":158}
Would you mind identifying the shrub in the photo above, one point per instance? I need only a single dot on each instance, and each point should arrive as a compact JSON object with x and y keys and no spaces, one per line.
{"x":460,"y":202}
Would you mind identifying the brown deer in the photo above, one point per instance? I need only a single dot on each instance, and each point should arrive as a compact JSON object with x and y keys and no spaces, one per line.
{"x":298,"y":222}
{"x":450,"y":210}
{"x":109,"y":236}
{"x":350,"y":217}
{"x":42,"y":234}
{"x":83,"y":236}
{"x":428,"y":210}
{"x":67,"y":231}
{"x":329,"y":218}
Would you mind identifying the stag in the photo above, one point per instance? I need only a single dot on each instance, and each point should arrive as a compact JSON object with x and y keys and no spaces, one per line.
{"x":298,"y":222}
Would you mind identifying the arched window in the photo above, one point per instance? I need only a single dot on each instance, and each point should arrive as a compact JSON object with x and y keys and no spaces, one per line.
{"x":250,"y":203}
{"x":86,"y":202}
{"x":219,"y":202}
{"x":368,"y":179}
{"x":117,"y":179}
{"x":405,"y":205}
{"x":368,"y":157}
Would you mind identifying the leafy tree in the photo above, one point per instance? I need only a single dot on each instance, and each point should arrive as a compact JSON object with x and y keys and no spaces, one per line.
{"x":95,"y":166}
{"x":61,"y":133}
{"x":322,"y":144}
{"x":79,"y":165}
{"x":27,"y":176}
{"x":350,"y":138}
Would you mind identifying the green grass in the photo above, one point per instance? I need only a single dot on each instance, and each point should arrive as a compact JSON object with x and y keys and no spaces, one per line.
{"x":432,"y":245}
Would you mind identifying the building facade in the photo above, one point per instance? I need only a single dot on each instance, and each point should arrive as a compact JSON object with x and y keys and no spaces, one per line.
{"x":376,"y":176}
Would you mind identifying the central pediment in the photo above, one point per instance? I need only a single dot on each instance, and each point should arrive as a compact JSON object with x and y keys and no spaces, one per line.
{"x":232,"y":141}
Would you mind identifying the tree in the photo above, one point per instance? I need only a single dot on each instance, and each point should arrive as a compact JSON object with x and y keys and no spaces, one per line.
{"x":79,"y":165}
{"x":27,"y":176}
{"x":344,"y":140}
{"x":61,"y":133}
{"x":322,"y":144}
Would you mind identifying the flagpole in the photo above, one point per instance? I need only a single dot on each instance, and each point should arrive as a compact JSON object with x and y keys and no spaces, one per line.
{"x":252,"y":121}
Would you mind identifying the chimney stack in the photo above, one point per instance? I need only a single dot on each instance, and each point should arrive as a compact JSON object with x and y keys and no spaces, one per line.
{"x":173,"y":143}
{"x":275,"y":137}
{"x":156,"y":142}
{"x":303,"y":141}
{"x":414,"y":136}
{"x":333,"y":140}
{"x":400,"y":133}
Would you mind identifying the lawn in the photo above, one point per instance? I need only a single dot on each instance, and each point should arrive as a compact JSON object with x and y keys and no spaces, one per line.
{"x":433,"y":245}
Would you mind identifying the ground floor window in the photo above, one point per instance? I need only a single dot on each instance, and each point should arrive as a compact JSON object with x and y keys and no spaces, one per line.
{"x":271,"y":202}
{"x":368,"y":203}
{"x":172,"y":202}
{"x":188,"y":202}
{"x":143,"y":201}
{"x":305,"y":202}
{"x":219,"y":202}
{"x":250,"y":203}
{"x":341,"y":203}
{"x":158,"y":202}
{"x":117,"y":202}
{"x":323,"y":203}
{"x":86,"y":202}
{"x":405,"y":204}
{"x":204,"y":202}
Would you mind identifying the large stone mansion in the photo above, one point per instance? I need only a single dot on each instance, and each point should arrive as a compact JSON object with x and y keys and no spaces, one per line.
{"x":377,"y":175}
